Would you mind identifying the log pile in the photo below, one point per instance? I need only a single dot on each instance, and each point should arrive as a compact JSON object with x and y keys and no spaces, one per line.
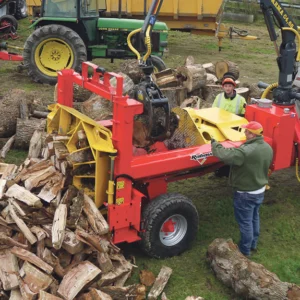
{"x":54,"y":242}
{"x":249,"y":280}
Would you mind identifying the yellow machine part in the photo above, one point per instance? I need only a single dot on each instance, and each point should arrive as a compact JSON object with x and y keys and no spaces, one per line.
{"x":198,"y":127}
{"x":91,"y":157}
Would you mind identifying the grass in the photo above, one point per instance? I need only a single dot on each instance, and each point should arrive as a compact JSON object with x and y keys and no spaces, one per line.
{"x":280,"y":236}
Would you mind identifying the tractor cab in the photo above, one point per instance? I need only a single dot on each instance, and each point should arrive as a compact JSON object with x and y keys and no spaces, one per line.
{"x":78,"y":9}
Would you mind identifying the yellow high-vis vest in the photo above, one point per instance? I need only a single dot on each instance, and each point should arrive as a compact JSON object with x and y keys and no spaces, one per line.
{"x":235,"y":105}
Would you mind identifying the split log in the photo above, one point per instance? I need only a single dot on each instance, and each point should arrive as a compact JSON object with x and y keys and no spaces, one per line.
{"x":35,"y":144}
{"x":53,"y":260}
{"x":26,"y":293}
{"x":71,"y":193}
{"x":175,"y":95}
{"x":160,"y":283}
{"x":192,"y":77}
{"x":248,"y":279}
{"x":52,"y":188}
{"x":17,"y":207}
{"x":95,"y":295}
{"x":8,"y":270}
{"x":94,"y":216}
{"x":7,"y":146}
{"x":135,"y":291}
{"x":59,"y":225}
{"x":70,"y":243}
{"x":9,"y":172}
{"x":32,"y":258}
{"x":76,"y":208}
{"x":2,"y":187}
{"x":131,"y":68}
{"x":194,"y":298}
{"x":60,"y":150}
{"x":166,"y":78}
{"x":46,"y":296}
{"x":93,"y":240}
{"x":22,"y":226}
{"x":25,"y":130}
{"x":10,"y":242}
{"x":225,"y":66}
{"x":193,"y":102}
{"x":39,"y":178}
{"x":21,"y":194}
{"x":15,"y":295}
{"x":104,"y":262}
{"x":210,"y":68}
{"x":254,"y":90}
{"x":35,"y":279}
{"x":77,"y":278}
{"x":31,"y":169}
{"x":81,"y":155}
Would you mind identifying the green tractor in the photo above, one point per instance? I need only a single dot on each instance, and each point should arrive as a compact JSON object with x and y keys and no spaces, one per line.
{"x":70,"y":32}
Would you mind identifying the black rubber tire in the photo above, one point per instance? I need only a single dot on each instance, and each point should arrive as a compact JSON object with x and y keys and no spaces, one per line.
{"x":61,"y":32}
{"x":10,"y":19}
{"x":21,"y":9}
{"x":156,"y":213}
{"x":158,"y":63}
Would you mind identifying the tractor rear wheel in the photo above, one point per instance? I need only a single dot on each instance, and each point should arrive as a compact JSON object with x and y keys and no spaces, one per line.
{"x":50,"y":49}
{"x":170,"y":225}
{"x":21,"y":9}
{"x":158,"y":64}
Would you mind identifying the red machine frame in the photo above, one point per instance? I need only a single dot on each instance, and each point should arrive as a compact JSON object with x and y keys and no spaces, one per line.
{"x":155,"y":170}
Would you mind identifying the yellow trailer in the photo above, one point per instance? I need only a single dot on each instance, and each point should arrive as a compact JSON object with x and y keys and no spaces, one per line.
{"x":195,"y":16}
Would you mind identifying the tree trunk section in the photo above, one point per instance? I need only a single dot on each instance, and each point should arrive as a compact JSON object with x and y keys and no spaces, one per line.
{"x":248,"y":279}
{"x":175,"y":95}
{"x":210,"y":68}
{"x":225,"y":66}
{"x":210,"y":91}
{"x":244,"y":92}
{"x":192,"y":77}
{"x":166,"y":79}
{"x":25,"y":130}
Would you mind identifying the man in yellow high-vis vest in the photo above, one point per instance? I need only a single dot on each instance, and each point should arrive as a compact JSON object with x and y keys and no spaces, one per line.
{"x":229,"y":100}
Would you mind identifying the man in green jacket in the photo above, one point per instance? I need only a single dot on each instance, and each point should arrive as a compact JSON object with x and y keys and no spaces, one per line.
{"x":249,"y":166}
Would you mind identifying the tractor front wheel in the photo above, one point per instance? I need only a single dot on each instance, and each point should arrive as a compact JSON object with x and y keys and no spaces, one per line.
{"x":158,"y":64}
{"x":8,"y":20}
{"x":170,"y":225}
{"x":50,"y":49}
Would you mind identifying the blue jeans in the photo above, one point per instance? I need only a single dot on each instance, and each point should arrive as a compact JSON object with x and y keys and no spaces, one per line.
{"x":246,"y":211}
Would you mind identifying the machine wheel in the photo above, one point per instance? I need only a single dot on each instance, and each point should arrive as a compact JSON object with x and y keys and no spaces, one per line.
{"x":170,"y":225}
{"x":8,"y":19}
{"x":21,"y":10}
{"x":50,"y":49}
{"x":158,"y":63}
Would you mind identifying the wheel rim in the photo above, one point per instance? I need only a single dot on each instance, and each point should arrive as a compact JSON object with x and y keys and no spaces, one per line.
{"x":173,"y":230}
{"x":53,"y":55}
{"x":6,"y":22}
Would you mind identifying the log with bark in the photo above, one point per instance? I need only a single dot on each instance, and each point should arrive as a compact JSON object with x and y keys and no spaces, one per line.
{"x":166,"y":78}
{"x":192,"y":77}
{"x":131,"y":68}
{"x":244,"y":92}
{"x":175,"y":95}
{"x":225,"y":66}
{"x":25,"y":129}
{"x":249,"y":280}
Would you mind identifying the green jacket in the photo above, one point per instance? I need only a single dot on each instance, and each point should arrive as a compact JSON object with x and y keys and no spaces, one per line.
{"x":235,"y":105}
{"x":249,"y":163}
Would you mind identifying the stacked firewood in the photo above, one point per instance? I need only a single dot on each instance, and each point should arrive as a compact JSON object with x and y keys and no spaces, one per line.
{"x":54,"y":242}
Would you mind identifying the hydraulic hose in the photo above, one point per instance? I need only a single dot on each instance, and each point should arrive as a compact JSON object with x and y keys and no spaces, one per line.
{"x":138,"y":55}
{"x":298,"y":38}
{"x":268,"y":89}
{"x":147,"y":43}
